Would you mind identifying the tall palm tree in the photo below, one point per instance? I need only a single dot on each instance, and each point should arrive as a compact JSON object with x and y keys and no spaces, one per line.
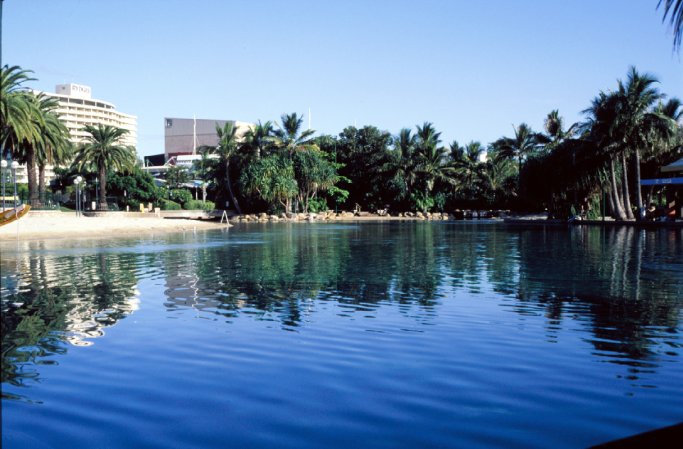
{"x":225,"y":150}
{"x":290,"y":137}
{"x":601,"y":130}
{"x":431,"y":166}
{"x":554,"y":128}
{"x":258,"y":139}
{"x":26,"y":149}
{"x":636,"y":120}
{"x":103,"y":151}
{"x":54,"y":146}
{"x":525,"y":143}
{"x":405,"y":161}
{"x":674,"y":9}
{"x":468,"y":167}
{"x":15,"y":109}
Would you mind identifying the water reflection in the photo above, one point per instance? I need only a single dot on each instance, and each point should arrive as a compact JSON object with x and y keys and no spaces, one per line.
{"x":49,"y":303}
{"x":622,"y":286}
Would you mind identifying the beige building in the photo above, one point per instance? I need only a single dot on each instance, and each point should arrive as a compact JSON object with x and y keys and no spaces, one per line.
{"x":182,"y":136}
{"x":77,"y":109}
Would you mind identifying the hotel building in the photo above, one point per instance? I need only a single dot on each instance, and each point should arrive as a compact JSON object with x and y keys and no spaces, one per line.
{"x":77,"y":109}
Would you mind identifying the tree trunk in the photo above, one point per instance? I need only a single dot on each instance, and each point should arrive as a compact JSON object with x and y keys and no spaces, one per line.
{"x":610,"y":199}
{"x":41,"y":183}
{"x":103,"y":189}
{"x":33,"y":199}
{"x":614,"y":193}
{"x":624,"y":185}
{"x":639,"y":194}
{"x":648,"y":198}
{"x":227,"y":181}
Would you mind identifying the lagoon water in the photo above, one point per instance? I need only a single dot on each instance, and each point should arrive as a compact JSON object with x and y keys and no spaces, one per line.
{"x":380,"y":335}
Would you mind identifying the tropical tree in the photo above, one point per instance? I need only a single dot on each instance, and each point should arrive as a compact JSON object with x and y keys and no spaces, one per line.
{"x":674,"y":10}
{"x":367,"y":166}
{"x":431,"y":165}
{"x":601,"y":131}
{"x":54,"y":146}
{"x":636,"y":120}
{"x":498,"y":179}
{"x":526,"y":142}
{"x":289,"y":136}
{"x":225,"y":150}
{"x":468,"y":167}
{"x":405,"y":162}
{"x":15,"y":109}
{"x":103,"y":151}
{"x":272,"y":179}
{"x":258,"y":139}
{"x":554,"y":128}
{"x":313,"y":174}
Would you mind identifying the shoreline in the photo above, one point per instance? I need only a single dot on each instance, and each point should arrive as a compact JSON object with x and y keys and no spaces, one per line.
{"x":66,"y":225}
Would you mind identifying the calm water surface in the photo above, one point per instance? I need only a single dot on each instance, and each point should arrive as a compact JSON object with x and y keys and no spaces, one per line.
{"x":411,"y":335}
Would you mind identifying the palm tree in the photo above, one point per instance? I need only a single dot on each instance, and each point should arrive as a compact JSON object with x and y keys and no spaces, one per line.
{"x":15,"y":109}
{"x":468,"y":166}
{"x":103,"y":151}
{"x":431,"y":166}
{"x":289,"y":136}
{"x":497,"y":177}
{"x":600,"y":129}
{"x":554,"y":128}
{"x":525,"y":143}
{"x":405,"y":161}
{"x":54,"y":146}
{"x":635,"y":118}
{"x":258,"y":139}
{"x":225,"y":150}
{"x":674,"y":9}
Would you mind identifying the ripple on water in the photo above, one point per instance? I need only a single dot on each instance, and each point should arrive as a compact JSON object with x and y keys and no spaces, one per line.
{"x":339,"y":336}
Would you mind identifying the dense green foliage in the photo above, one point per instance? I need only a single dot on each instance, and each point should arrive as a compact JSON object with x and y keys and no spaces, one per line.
{"x":134,"y":188}
{"x":628,"y":133}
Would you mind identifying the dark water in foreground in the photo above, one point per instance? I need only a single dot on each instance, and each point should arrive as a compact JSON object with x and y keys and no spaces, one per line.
{"x":409,"y":335}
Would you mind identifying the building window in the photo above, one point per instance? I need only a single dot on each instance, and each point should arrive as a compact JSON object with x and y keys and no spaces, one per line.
{"x":169,"y":123}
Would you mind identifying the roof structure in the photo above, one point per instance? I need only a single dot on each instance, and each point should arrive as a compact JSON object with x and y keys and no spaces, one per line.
{"x":673,"y":167}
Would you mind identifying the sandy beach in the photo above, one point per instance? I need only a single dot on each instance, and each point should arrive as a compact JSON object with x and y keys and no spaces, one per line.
{"x":68,"y":225}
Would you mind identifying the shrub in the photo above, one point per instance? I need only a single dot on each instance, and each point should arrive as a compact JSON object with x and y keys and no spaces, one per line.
{"x":181,"y":196}
{"x":199,"y":205}
{"x":169,"y":205}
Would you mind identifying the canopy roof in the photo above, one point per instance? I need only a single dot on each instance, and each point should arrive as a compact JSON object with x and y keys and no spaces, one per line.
{"x":673,"y":167}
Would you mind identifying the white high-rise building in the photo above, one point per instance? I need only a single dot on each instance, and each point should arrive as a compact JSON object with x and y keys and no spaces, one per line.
{"x":77,"y":109}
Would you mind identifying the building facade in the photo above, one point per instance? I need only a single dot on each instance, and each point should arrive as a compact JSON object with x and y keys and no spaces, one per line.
{"x":77,"y":109}
{"x":182,"y":136}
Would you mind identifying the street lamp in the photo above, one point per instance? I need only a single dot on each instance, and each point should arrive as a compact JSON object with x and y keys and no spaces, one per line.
{"x":77,"y":183}
{"x":3,"y":173}
{"x":14,"y":166}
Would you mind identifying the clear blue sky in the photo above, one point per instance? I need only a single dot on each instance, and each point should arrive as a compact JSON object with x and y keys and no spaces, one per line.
{"x":473,"y":68}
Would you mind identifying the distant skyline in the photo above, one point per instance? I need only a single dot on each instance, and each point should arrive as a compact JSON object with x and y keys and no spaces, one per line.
{"x":473,"y":69}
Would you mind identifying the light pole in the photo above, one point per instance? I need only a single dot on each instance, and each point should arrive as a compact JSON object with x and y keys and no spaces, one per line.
{"x":14,"y":166}
{"x":77,"y":182}
{"x":3,"y":173}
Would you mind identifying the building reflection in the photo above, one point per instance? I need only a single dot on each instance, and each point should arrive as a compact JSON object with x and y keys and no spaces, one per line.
{"x":51,"y":302}
{"x":619,"y":286}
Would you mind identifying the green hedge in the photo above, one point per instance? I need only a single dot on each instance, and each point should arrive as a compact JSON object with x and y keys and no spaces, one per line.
{"x":169,"y":205}
{"x":199,"y":205}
